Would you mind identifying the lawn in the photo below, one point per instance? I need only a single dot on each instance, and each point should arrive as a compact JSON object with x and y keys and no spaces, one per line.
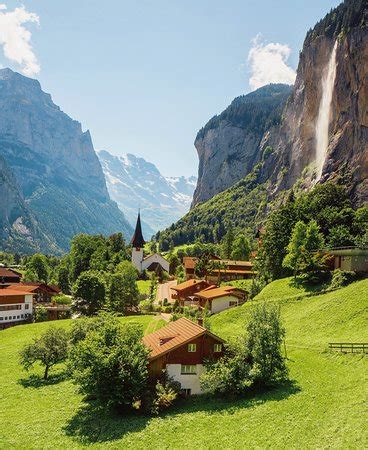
{"x":144,"y":286}
{"x":323,"y":406}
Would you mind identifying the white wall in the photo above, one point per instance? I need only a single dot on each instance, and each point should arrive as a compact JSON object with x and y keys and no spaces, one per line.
{"x":186,"y":381}
{"x":221,"y":303}
{"x":8,"y":316}
{"x":137,"y":258}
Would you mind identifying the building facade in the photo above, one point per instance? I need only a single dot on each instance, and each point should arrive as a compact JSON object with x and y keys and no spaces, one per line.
{"x":15,"y":307}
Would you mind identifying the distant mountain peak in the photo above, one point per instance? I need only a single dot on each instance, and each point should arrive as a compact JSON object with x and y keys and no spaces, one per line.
{"x":132,"y":182}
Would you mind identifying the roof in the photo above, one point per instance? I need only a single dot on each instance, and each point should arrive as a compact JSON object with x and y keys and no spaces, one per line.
{"x":174,"y":335}
{"x":137,"y":239}
{"x":189,"y":263}
{"x":10,"y":292}
{"x":210,"y":294}
{"x":4,"y":272}
{"x":187,"y":284}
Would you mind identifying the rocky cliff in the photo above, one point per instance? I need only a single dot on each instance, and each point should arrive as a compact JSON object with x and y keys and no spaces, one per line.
{"x":134,"y":182}
{"x":54,"y":164}
{"x":229,"y":145}
{"x":340,"y":43}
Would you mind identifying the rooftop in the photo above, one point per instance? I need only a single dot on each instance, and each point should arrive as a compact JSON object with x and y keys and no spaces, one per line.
{"x":174,"y":335}
{"x":210,"y":294}
{"x":187,"y":284}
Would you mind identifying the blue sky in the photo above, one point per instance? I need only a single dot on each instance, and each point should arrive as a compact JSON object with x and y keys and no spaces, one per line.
{"x":145,"y":76}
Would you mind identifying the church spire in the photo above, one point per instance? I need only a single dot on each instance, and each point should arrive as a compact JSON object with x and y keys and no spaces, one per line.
{"x":137,"y":239}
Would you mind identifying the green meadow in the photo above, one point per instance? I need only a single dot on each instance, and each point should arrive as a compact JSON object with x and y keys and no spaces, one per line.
{"x":323,"y":406}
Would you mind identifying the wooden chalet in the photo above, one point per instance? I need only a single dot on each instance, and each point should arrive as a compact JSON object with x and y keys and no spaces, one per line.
{"x":218,"y":299}
{"x":226,"y":270}
{"x":9,"y":276}
{"x":15,"y":307}
{"x":42,"y":292}
{"x":185,"y":290}
{"x":180,"y":348}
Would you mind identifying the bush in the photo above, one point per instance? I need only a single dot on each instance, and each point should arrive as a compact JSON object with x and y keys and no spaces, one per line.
{"x":62,"y":299}
{"x":341,"y":278}
{"x":167,"y":309}
{"x":166,"y":392}
{"x":110,"y":363}
{"x":40,"y":314}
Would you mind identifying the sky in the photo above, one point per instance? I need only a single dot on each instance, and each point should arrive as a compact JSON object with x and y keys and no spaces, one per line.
{"x":144,"y":76}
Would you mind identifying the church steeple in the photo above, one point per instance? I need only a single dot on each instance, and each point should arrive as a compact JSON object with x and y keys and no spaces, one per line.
{"x":137,"y":239}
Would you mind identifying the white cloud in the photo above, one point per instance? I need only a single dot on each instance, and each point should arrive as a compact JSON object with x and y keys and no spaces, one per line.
{"x":268,"y":64}
{"x":16,"y":39}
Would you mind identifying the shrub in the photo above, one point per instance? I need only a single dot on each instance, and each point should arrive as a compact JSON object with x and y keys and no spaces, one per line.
{"x":40,"y":314}
{"x":110,"y":363}
{"x":62,"y":299}
{"x":341,"y":278}
{"x":167,"y":309}
{"x":166,"y":392}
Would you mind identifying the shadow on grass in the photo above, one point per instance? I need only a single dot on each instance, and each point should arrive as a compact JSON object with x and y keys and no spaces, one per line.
{"x":37,"y":381}
{"x":310,"y":288}
{"x":94,"y":424}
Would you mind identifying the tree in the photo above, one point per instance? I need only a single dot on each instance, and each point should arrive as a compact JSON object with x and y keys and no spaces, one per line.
{"x":265,"y":334}
{"x":340,"y":236}
{"x":128,"y":284}
{"x":203,"y":266}
{"x":39,"y":266}
{"x":110,"y":364}
{"x":253,"y":360}
{"x":62,"y":276}
{"x":89,"y":293}
{"x":241,"y":248}
{"x":227,"y":243}
{"x":82,"y":248}
{"x":50,"y":349}
{"x":173,"y":261}
{"x":295,"y":249}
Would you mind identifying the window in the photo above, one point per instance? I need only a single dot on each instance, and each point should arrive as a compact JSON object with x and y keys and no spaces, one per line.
{"x":217,"y":348}
{"x":10,"y":307}
{"x":26,"y":306}
{"x":188,"y":369}
{"x":233,"y":303}
{"x":186,"y":392}
{"x":192,"y":348}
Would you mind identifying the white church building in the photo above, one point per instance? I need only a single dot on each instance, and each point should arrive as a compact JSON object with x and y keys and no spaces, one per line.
{"x":152,"y":262}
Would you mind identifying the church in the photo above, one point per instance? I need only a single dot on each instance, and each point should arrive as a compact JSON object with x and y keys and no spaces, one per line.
{"x":152,"y":262}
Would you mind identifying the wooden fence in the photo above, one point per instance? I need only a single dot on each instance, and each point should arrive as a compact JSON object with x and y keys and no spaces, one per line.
{"x":349,"y":347}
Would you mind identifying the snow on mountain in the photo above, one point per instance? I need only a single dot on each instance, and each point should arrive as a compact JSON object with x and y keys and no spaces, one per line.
{"x":136,"y":183}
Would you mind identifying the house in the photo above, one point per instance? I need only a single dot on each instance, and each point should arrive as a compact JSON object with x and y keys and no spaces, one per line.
{"x":15,"y":307}
{"x":154,"y":262}
{"x":219,"y":298}
{"x":224,"y":270}
{"x":353,"y":259}
{"x":180,"y":348}
{"x":42,"y":292}
{"x":42,"y":295}
{"x":8,"y":276}
{"x":185,"y":290}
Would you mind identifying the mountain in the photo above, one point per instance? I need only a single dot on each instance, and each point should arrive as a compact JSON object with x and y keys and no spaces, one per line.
{"x":135,"y":183}
{"x":320,"y":134}
{"x":54,"y":175}
{"x":324,"y":132}
{"x":228,"y":145}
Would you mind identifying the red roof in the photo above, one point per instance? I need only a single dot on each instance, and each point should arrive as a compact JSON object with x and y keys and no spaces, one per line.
{"x":187,"y":284}
{"x":210,"y":294}
{"x":10,"y":292}
{"x":174,"y":335}
{"x":4,"y":272}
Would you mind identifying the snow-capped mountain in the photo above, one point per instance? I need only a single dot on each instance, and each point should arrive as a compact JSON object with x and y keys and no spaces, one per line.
{"x":136,"y":183}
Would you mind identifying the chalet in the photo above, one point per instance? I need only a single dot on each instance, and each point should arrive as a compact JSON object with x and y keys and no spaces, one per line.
{"x":15,"y":307}
{"x":180,"y":348}
{"x":154,"y":262}
{"x":219,"y":298}
{"x":353,"y":259}
{"x":42,"y":292}
{"x":226,"y":270}
{"x":185,"y":290}
{"x":9,"y":276}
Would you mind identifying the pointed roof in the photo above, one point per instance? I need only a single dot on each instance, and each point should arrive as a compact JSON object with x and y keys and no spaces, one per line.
{"x":137,"y":239}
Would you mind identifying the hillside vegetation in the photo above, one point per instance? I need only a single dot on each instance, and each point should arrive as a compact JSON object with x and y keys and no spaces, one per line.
{"x":319,"y":408}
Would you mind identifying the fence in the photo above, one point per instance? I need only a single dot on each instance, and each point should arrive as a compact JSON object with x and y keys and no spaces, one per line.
{"x":349,"y":347}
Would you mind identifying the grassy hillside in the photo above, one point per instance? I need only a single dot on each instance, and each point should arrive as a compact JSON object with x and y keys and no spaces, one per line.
{"x":323,"y":406}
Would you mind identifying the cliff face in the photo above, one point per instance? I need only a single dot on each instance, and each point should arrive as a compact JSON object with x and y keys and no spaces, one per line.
{"x":229,"y":145}
{"x":346,"y":158}
{"x":54,"y":164}
{"x":134,"y":182}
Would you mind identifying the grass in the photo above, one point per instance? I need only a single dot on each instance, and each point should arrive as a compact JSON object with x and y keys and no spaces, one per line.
{"x":144,"y":286}
{"x":323,"y":406}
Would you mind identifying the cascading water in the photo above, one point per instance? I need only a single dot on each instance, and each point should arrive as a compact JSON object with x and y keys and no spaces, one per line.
{"x":324,"y":113}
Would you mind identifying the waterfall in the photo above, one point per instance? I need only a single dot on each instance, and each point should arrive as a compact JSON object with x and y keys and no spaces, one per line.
{"x":324,"y":112}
